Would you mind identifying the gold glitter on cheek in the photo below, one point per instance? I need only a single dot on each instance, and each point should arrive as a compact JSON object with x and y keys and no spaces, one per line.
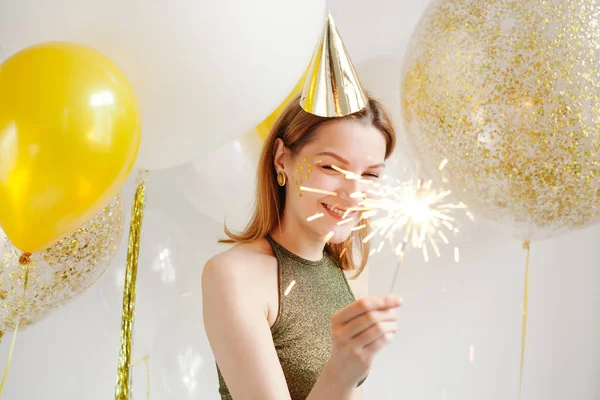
{"x":501,"y":101}
{"x":303,"y":173}
{"x":59,"y":273}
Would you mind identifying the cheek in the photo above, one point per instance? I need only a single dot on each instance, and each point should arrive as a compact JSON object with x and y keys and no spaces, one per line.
{"x":301,"y":175}
{"x":320,"y":179}
{"x":315,"y":180}
{"x":307,"y":174}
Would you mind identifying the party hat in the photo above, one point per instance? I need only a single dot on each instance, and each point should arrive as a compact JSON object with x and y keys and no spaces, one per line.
{"x":332,"y":88}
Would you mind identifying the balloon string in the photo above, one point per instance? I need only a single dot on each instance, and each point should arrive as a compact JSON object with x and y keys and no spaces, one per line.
{"x":146,"y":361}
{"x":10,"y":354}
{"x":524,"y":326}
{"x":123,"y":387}
{"x":24,"y":260}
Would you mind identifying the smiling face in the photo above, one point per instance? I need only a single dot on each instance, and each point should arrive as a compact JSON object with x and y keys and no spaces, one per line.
{"x":339,"y":149}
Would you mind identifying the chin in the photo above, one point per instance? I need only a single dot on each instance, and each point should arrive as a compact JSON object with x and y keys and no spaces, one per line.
{"x":340,"y":234}
{"x":322,"y":226}
{"x":337,"y":239}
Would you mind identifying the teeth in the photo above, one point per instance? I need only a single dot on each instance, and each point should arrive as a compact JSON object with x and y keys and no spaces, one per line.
{"x":335,"y":210}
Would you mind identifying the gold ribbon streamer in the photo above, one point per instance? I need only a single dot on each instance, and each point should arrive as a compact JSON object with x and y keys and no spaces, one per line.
{"x":25,"y":260}
{"x":123,"y":389}
{"x":524,"y":326}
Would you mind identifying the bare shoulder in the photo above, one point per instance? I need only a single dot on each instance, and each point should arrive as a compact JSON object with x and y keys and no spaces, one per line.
{"x":242,"y":276}
{"x":239,"y":263}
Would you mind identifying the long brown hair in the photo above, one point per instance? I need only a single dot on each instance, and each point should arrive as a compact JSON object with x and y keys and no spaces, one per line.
{"x":297,"y":128}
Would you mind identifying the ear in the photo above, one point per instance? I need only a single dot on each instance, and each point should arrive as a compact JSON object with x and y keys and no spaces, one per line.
{"x":281,"y":155}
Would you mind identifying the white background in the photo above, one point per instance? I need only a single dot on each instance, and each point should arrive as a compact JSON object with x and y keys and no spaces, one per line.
{"x":450,"y":307}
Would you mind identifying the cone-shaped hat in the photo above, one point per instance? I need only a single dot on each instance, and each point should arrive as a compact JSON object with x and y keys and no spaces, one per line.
{"x":332,"y":88}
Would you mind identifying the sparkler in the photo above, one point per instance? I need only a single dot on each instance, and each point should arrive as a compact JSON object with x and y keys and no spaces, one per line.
{"x":414,"y":213}
{"x":406,"y":213}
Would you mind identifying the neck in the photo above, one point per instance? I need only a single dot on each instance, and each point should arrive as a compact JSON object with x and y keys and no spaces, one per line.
{"x":295,"y":237}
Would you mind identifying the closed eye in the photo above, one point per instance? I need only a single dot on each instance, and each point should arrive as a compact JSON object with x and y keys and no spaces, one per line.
{"x":328,"y":167}
{"x":368,"y":174}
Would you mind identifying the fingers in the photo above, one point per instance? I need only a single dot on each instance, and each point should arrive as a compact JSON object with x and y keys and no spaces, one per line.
{"x":364,"y":321}
{"x":379,"y":343}
{"x":365,"y":305}
{"x":374,"y":332}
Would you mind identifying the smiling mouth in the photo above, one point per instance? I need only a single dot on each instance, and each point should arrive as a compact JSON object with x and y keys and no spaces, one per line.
{"x":338,"y":213}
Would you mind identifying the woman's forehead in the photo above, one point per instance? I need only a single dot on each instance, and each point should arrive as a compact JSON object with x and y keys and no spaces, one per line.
{"x":353,"y":140}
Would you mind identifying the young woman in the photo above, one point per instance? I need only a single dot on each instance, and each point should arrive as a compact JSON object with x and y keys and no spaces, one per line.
{"x":280,"y":307}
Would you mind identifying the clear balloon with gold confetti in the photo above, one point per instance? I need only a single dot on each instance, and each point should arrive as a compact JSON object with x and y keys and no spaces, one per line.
{"x":508,"y":92}
{"x":60,"y":272}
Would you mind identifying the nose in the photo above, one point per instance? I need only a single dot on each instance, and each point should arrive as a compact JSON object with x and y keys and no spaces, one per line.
{"x":349,"y":192}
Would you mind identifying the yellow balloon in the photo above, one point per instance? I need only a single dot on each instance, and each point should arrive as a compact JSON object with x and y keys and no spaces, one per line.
{"x":264,"y":128}
{"x":69,"y":136}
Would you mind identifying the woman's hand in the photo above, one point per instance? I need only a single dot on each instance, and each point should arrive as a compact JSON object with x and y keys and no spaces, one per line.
{"x":358,"y":332}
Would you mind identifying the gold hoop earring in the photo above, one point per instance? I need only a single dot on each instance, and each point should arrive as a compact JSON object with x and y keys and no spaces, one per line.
{"x":281,"y":178}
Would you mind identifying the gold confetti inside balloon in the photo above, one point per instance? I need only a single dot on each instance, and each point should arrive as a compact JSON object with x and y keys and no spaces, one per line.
{"x":59,"y":273}
{"x":508,"y":92}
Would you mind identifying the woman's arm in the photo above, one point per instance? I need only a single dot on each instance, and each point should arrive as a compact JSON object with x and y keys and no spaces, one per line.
{"x":240,"y":337}
{"x":238,"y":331}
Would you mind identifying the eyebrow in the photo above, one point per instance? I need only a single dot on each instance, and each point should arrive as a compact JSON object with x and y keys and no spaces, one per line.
{"x":344,"y":161}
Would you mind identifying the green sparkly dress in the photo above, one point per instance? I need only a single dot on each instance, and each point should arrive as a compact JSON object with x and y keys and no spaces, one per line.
{"x":302,"y":331}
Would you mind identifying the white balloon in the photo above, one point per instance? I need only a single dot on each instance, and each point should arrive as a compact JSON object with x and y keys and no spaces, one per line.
{"x":223,"y":184}
{"x":380,"y":77}
{"x":204,"y":71}
{"x":181,"y":362}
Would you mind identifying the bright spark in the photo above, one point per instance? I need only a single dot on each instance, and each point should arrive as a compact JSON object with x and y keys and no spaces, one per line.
{"x":328,"y":236}
{"x":369,"y":237}
{"x":443,"y":164}
{"x":314,"y":190}
{"x":313,"y":217}
{"x":289,"y":288}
